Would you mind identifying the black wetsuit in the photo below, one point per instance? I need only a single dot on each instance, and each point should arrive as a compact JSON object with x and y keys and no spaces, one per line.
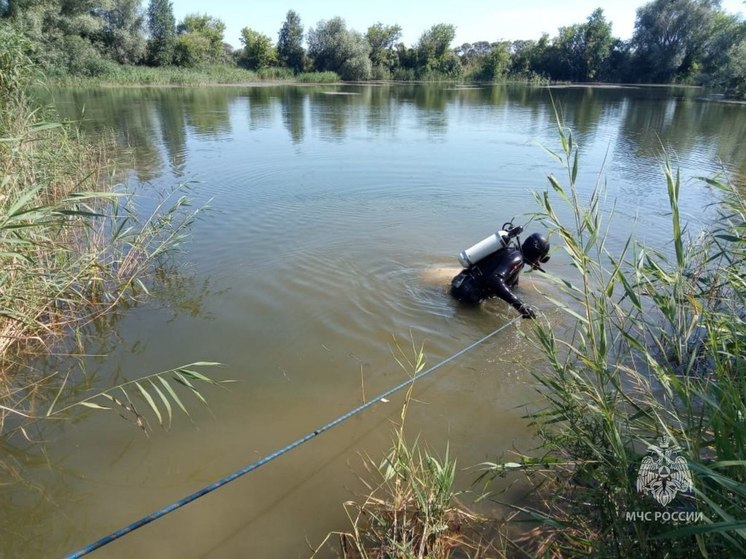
{"x":492,"y":276}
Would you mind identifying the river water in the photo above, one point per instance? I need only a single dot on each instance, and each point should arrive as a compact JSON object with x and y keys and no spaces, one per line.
{"x":333,"y":210}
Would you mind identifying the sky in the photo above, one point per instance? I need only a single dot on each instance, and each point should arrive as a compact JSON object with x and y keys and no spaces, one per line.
{"x":475,"y":20}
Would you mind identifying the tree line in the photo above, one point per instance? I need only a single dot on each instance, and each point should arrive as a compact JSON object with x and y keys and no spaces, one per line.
{"x":674,"y":41}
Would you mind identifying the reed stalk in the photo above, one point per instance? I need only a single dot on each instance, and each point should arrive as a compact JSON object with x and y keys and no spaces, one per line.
{"x":655,"y":349}
{"x":411,"y":508}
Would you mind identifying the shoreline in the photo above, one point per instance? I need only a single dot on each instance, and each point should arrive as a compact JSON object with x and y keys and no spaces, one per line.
{"x":204,"y":80}
{"x":92,"y":83}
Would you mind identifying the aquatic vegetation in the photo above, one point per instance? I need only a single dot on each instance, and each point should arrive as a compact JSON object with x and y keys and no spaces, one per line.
{"x":318,"y":77}
{"x":156,"y":391}
{"x":172,"y":75}
{"x":209,"y":74}
{"x":657,"y":351}
{"x":411,"y":508}
{"x":73,"y":247}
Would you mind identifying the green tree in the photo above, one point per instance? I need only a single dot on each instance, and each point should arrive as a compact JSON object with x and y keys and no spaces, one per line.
{"x":580,"y":51}
{"x":734,"y":82}
{"x":407,"y":56}
{"x":618,"y":66}
{"x":65,"y":33}
{"x":494,"y":64}
{"x":335,"y":48}
{"x":258,"y":51}
{"x":718,"y":70}
{"x":382,"y":40}
{"x":162,"y":27}
{"x":470,"y":53}
{"x":208,"y":27}
{"x":191,"y":49}
{"x":290,"y":43}
{"x":669,"y":37}
{"x":123,"y":31}
{"x":597,"y":42}
{"x":524,"y":55}
{"x":434,"y":52}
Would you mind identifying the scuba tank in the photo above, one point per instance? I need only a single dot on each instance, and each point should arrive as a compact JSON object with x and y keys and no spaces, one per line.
{"x":485,"y":247}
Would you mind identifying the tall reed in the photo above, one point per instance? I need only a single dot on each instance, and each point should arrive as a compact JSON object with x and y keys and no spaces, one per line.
{"x":165,"y":76}
{"x":71,"y":246}
{"x":656,"y":350}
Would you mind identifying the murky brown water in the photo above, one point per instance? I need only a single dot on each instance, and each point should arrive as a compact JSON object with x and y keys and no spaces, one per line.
{"x":330,"y":217}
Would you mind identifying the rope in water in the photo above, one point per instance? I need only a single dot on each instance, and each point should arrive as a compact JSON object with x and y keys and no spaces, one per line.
{"x":251,"y":467}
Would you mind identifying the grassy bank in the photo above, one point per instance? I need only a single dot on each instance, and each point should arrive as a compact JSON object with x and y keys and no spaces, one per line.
{"x":217,"y":74}
{"x":221,"y":74}
{"x":654,"y":367}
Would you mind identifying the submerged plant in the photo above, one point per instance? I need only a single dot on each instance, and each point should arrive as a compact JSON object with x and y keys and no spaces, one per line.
{"x":156,"y":391}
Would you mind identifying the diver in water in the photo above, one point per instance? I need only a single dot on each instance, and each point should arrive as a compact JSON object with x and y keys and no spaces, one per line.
{"x":493,"y":265}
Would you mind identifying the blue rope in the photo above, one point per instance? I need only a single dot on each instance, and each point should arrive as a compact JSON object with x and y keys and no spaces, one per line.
{"x":251,"y":467}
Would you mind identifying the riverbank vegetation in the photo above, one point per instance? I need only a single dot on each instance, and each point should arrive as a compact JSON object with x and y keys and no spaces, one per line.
{"x":206,"y":74}
{"x":655,"y":366}
{"x":679,"y":41}
{"x":73,"y":247}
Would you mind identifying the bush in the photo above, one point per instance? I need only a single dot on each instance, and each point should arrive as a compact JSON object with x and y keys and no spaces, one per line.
{"x":381,"y":73}
{"x":191,"y":49}
{"x":356,"y":68}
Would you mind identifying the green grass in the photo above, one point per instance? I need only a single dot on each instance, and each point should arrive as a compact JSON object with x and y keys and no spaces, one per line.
{"x":656,"y":348}
{"x":144,"y":75}
{"x":318,"y":77}
{"x":116,"y":74}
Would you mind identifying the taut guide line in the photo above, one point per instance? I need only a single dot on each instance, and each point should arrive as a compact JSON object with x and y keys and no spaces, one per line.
{"x":251,"y":467}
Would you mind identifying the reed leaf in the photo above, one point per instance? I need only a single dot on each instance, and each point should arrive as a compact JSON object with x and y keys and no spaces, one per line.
{"x":146,"y":386}
{"x":172,"y":394}
{"x":149,"y":399}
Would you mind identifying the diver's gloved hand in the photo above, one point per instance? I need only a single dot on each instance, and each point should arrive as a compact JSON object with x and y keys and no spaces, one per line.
{"x":527,"y":312}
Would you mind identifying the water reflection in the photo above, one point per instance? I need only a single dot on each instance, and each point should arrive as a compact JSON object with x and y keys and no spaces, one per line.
{"x":260,"y":101}
{"x":173,"y":118}
{"x":646,"y":119}
{"x":294,"y":105}
{"x":334,"y":113}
